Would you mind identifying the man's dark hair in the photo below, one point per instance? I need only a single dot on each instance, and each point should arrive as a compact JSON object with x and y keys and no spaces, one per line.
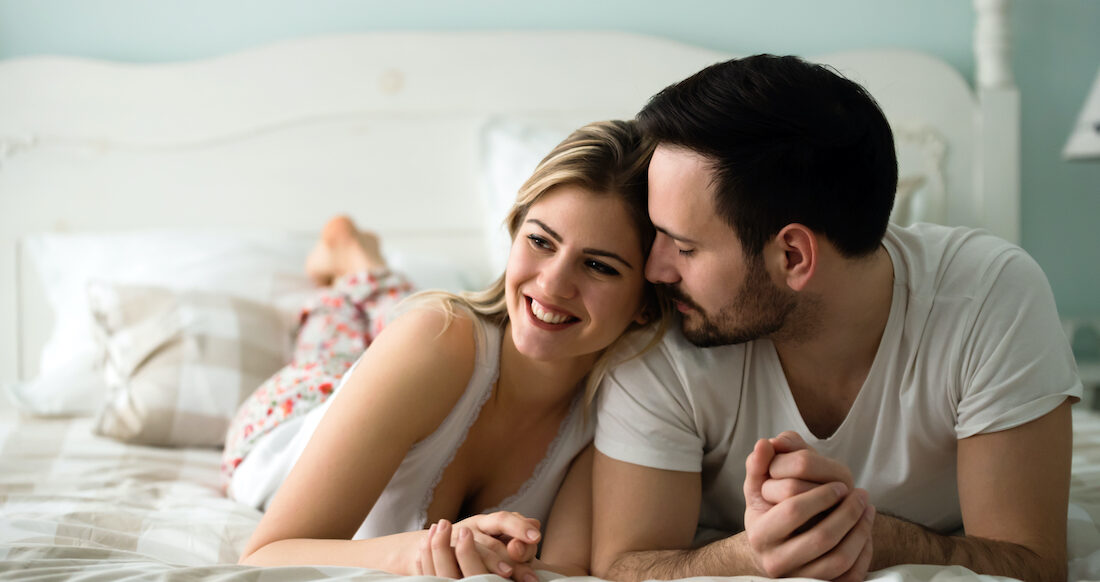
{"x":790,"y":141}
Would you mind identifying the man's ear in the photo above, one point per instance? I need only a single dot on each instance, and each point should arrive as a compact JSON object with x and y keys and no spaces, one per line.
{"x":797,"y":244}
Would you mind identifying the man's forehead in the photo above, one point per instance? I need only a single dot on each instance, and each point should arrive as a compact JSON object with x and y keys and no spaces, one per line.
{"x":681,"y":186}
{"x":684,"y":161}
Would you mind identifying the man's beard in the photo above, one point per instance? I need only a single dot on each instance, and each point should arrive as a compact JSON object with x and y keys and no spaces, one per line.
{"x":758,"y":310}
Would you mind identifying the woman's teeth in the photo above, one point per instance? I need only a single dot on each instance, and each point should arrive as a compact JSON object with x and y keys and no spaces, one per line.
{"x":546,"y":316}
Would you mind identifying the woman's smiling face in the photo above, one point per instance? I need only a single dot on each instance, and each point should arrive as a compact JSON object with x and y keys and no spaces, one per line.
{"x":575,"y":276}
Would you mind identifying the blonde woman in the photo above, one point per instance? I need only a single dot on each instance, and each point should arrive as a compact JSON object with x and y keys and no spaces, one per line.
{"x":468,"y":408}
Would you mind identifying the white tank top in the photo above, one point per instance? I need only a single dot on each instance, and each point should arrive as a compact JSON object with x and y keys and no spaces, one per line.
{"x":403,"y":504}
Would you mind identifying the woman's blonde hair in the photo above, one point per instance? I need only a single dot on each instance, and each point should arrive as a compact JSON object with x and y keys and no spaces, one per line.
{"x":606,"y":158}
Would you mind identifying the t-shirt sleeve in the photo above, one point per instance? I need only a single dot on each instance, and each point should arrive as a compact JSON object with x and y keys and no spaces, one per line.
{"x":645,"y":415}
{"x":1017,"y":362}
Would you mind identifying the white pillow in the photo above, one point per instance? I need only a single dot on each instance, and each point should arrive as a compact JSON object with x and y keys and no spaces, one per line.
{"x":264,"y":266}
{"x":510,"y":151}
{"x":428,"y":271}
{"x":179,"y":363}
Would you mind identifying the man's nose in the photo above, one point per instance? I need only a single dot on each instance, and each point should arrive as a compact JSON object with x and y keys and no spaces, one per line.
{"x":658,"y":268}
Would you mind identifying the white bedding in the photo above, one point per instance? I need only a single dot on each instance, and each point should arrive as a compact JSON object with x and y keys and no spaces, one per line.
{"x":78,"y":506}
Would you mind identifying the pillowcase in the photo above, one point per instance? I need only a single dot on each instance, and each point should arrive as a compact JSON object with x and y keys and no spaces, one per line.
{"x":510,"y":151}
{"x":264,"y":266}
{"x":178,"y":364}
{"x":261,"y":266}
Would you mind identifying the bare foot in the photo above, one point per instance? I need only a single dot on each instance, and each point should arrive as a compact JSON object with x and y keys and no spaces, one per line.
{"x":342,"y":249}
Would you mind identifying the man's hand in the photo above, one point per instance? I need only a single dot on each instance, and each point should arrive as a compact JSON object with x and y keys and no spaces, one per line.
{"x":797,"y":468}
{"x":802,"y":516}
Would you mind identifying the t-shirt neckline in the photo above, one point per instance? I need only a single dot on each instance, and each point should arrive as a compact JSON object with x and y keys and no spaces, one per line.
{"x":874,"y":382}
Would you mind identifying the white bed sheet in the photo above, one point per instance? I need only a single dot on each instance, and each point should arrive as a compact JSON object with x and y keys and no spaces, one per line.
{"x":77,"y":506}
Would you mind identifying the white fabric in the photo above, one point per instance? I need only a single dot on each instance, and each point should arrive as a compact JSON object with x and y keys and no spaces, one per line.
{"x":179,"y":363}
{"x":74,"y":506}
{"x":403,"y":504}
{"x":510,"y":150}
{"x":972,"y":345}
{"x":264,"y":266}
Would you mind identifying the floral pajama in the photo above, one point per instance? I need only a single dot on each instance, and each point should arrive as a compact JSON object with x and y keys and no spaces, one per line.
{"x":336,"y":326}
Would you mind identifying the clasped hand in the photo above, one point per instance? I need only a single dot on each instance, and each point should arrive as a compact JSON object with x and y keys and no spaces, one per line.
{"x":502,"y":543}
{"x":803,"y":517}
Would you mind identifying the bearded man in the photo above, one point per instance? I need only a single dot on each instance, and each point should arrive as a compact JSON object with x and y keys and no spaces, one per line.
{"x":843,"y":394}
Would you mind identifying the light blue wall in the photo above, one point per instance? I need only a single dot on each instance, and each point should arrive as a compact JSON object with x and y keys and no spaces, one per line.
{"x":1057,"y":53}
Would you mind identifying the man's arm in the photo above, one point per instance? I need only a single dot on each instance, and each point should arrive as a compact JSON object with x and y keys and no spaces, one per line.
{"x":567,"y":545}
{"x":645,"y":520}
{"x":1014,"y":493}
{"x":644,"y":523}
{"x":1013,"y":480}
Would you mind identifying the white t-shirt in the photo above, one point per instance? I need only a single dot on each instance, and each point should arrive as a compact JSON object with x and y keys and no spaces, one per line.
{"x":972,"y":345}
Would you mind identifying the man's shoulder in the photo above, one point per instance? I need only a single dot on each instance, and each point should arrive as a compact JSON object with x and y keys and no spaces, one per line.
{"x":936,"y":259}
{"x":939,"y":240}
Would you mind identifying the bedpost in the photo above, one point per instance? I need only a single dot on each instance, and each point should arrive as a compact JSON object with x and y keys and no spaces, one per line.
{"x":997,"y":174}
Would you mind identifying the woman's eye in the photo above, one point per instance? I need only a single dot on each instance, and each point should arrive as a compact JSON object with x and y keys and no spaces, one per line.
{"x":602,"y":268}
{"x":538,"y":241}
{"x":685,"y":252}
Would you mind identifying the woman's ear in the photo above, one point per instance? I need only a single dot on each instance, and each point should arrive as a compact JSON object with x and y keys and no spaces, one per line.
{"x":799,"y":255}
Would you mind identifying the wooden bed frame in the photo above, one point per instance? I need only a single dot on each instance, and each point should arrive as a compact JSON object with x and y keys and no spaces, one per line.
{"x":387,"y":127}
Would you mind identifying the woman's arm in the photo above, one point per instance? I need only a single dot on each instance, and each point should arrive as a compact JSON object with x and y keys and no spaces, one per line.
{"x":474,"y":546}
{"x":408,"y":381}
{"x":393,"y":553}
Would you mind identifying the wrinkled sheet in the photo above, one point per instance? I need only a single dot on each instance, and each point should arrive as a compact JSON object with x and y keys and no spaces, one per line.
{"x":74,"y":506}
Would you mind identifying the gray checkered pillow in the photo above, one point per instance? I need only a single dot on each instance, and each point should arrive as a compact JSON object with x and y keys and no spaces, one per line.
{"x":178,"y":363}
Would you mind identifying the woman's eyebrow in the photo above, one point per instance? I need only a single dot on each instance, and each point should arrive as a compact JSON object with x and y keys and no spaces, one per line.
{"x":553,"y":233}
{"x":588,"y":251}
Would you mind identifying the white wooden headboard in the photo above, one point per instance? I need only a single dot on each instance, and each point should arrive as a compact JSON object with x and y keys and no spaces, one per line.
{"x":386,"y":126}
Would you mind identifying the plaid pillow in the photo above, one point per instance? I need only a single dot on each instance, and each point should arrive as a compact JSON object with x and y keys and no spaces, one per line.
{"x":178,"y":363}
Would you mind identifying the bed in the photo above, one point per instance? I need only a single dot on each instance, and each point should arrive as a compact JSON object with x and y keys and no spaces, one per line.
{"x":154,"y":220}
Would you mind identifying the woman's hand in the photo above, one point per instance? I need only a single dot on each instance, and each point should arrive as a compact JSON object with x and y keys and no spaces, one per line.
{"x":501,"y":543}
{"x":510,"y":535}
{"x":438,"y":558}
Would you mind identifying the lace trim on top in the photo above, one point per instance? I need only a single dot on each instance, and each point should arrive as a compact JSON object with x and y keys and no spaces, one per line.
{"x":551,"y":453}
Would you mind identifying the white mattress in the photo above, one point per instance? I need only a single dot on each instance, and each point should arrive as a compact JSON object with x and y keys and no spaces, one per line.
{"x":78,"y":506}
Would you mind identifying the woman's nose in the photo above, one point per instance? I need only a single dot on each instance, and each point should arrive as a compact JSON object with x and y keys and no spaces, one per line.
{"x":556,"y":278}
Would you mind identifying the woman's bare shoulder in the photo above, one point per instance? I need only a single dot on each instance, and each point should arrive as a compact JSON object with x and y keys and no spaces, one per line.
{"x":449,"y":337}
{"x":415,"y":370}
